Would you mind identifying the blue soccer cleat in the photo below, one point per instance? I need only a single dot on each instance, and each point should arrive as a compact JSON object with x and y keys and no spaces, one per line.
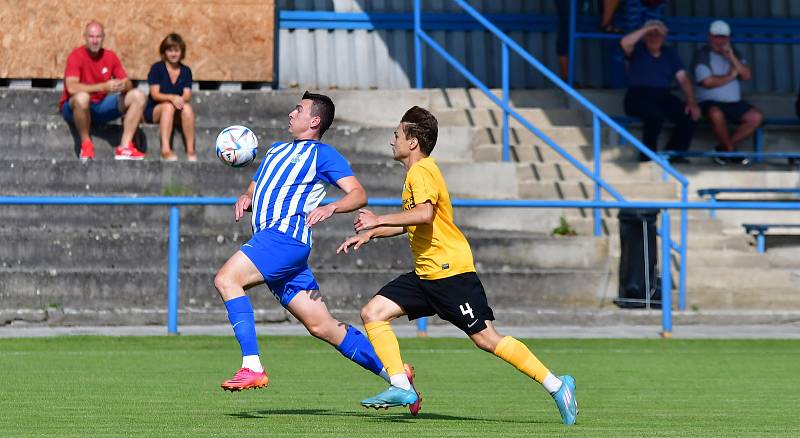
{"x":391,"y":397}
{"x":565,"y":400}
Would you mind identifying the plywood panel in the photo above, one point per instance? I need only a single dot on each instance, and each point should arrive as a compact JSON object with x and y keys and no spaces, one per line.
{"x":227,"y":40}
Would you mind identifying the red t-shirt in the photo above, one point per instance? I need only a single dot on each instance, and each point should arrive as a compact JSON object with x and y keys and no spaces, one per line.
{"x":91,"y":71}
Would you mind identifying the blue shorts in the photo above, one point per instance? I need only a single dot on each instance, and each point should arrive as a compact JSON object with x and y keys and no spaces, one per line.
{"x":102,"y":112}
{"x":283,"y":262}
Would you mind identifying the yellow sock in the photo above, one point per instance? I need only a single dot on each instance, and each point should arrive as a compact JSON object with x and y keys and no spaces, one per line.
{"x":517,"y":354}
{"x":384,"y":341}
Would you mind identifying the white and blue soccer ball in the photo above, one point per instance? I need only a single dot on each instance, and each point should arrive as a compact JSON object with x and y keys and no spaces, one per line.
{"x":237,"y":146}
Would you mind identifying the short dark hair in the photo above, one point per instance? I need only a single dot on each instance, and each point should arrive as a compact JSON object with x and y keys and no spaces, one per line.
{"x":172,"y":40}
{"x":419,"y":123}
{"x":323,"y":108}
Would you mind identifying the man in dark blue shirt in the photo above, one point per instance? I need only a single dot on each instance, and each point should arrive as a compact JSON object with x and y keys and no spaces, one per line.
{"x":651,"y":70}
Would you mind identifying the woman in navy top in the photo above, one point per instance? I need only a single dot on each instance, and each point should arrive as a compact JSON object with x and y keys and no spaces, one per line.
{"x":170,"y":93}
{"x":652,"y":68}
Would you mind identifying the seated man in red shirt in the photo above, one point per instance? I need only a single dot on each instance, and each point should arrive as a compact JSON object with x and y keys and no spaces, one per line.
{"x":97,"y":90}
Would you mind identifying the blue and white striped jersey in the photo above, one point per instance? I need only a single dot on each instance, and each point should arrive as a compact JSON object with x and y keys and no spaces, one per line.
{"x":290,"y":182}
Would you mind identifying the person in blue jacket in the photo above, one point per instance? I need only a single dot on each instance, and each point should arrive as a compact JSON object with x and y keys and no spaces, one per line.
{"x":170,"y":98}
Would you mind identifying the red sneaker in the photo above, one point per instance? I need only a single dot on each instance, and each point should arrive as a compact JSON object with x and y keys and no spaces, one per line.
{"x":87,"y":150}
{"x":128,"y":152}
{"x":417,"y":405}
{"x":246,"y":378}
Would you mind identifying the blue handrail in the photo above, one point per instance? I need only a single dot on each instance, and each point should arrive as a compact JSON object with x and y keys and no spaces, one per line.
{"x":597,"y":116}
{"x":174,"y":225}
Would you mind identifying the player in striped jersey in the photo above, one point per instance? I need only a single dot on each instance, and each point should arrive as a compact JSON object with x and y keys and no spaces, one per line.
{"x":284,"y":198}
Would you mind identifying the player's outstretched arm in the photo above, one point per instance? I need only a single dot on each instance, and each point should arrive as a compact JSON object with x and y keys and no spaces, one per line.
{"x":362,"y":239}
{"x":355,"y":197}
{"x":244,"y":203}
{"x":420,"y":214}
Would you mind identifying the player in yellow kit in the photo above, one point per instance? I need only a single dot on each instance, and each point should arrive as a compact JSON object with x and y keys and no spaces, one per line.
{"x":444,"y":281}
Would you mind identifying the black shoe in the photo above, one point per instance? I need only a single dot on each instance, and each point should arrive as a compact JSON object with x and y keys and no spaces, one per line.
{"x":643,"y":158}
{"x":722,"y":161}
{"x":678,"y":160}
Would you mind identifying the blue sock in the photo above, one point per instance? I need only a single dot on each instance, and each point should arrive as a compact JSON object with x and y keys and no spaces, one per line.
{"x":240,"y":314}
{"x":356,"y":347}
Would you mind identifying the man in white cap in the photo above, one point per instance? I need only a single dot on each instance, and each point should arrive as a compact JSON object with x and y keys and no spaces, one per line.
{"x":718,"y":71}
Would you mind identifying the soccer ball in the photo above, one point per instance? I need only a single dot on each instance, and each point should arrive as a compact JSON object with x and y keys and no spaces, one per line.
{"x":237,"y":146}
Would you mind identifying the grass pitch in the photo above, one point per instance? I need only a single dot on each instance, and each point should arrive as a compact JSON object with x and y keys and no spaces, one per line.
{"x":168,"y":386}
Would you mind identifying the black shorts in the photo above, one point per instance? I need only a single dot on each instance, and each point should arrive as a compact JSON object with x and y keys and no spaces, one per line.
{"x":459,"y":299}
{"x":733,"y":111}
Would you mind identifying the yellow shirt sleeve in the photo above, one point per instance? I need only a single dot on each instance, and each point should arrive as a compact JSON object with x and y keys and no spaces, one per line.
{"x":422,"y":186}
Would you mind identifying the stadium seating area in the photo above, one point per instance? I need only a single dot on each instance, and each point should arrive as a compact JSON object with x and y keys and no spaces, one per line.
{"x":107,"y":265}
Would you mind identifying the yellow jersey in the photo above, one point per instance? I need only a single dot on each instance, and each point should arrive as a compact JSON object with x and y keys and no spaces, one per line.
{"x":440,"y":250}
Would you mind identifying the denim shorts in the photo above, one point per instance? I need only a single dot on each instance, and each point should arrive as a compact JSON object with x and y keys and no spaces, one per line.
{"x":102,"y":112}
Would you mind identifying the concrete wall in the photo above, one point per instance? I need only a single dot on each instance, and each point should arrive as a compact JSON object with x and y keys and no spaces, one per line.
{"x":227,"y":40}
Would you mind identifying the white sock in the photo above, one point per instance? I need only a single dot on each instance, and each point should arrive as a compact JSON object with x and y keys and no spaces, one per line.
{"x":551,"y":383}
{"x":384,"y":375}
{"x":253,"y":362}
{"x":400,"y":381}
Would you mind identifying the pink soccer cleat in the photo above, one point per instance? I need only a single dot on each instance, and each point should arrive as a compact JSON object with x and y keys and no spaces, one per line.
{"x":417,"y":405}
{"x":246,"y":378}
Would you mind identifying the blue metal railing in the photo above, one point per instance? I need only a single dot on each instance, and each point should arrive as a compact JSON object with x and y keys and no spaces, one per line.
{"x":176,"y":202}
{"x":597,"y":117}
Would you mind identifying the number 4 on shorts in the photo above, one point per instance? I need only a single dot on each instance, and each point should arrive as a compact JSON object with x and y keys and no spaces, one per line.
{"x":466,"y":310}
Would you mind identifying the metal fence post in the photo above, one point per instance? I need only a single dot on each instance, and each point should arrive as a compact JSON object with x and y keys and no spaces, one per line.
{"x":418,"y":43}
{"x":684,"y":249}
{"x":571,"y":55}
{"x":598,"y":230}
{"x":666,"y":280}
{"x":172,"y":274}
{"x":506,"y":146}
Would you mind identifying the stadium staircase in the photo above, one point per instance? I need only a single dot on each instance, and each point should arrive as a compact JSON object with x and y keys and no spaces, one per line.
{"x":107,"y":264}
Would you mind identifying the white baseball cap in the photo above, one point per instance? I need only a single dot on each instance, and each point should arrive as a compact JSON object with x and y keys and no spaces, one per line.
{"x":719,"y":27}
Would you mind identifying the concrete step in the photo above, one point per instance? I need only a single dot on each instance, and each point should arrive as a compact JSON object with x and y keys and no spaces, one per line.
{"x":54,"y":140}
{"x":562,"y":135}
{"x":106,"y":290}
{"x":209,"y":178}
{"x":703,"y":277}
{"x":110,"y":248}
{"x":611,"y":156}
{"x":717,"y":242}
{"x":584,"y":226}
{"x":737,"y":176}
{"x":238,"y":106}
{"x":751,"y":298}
{"x":474,"y":98}
{"x":538,"y":221}
{"x":493,"y":117}
{"x":564,"y":171}
{"x":729,"y":259}
{"x":157,"y":178}
{"x":361,"y":106}
{"x":582,"y":191}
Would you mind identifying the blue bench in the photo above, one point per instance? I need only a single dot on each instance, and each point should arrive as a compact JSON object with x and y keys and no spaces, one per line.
{"x":758,"y":143}
{"x":760,"y":229}
{"x":712,"y":193}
